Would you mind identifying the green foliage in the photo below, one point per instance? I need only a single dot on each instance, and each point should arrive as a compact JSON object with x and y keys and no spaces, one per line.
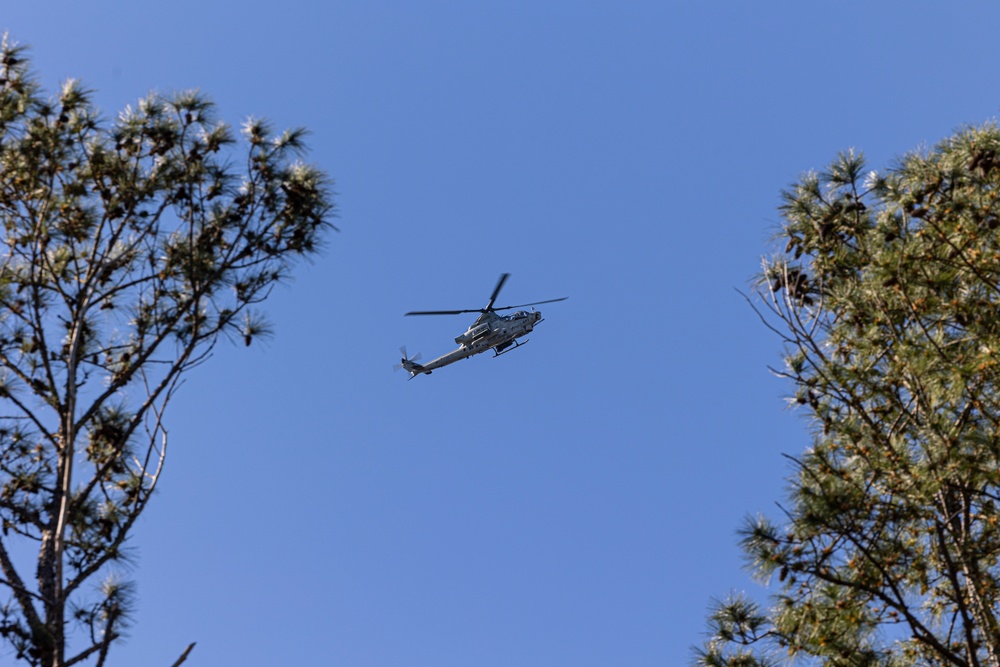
{"x":887,"y":295}
{"x":129,"y":247}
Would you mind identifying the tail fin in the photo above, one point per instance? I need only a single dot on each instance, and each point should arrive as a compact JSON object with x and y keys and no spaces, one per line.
{"x":410,"y":364}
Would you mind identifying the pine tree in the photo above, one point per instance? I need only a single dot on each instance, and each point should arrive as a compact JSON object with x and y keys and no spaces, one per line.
{"x":130,"y":248}
{"x":887,"y":297}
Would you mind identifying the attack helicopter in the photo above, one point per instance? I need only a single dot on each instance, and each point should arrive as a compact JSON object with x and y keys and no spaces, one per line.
{"x":490,"y":331}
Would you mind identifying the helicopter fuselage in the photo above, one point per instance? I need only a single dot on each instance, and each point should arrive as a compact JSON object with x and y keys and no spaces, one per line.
{"x":489,"y":332}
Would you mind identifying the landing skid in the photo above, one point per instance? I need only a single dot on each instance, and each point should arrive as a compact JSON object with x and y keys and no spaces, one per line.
{"x":509,"y":349}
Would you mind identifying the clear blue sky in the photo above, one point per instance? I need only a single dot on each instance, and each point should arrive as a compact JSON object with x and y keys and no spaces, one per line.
{"x":575,"y":502}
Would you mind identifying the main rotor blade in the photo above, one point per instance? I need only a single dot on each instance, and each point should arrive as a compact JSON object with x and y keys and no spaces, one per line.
{"x":489,"y":307}
{"x":444,"y":312}
{"x":533,"y":303}
{"x":496,"y":291}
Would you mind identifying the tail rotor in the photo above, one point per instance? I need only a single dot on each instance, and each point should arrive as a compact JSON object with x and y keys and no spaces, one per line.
{"x":408,"y":362}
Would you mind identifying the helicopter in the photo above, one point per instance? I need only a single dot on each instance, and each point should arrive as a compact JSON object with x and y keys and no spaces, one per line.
{"x":490,"y":331}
